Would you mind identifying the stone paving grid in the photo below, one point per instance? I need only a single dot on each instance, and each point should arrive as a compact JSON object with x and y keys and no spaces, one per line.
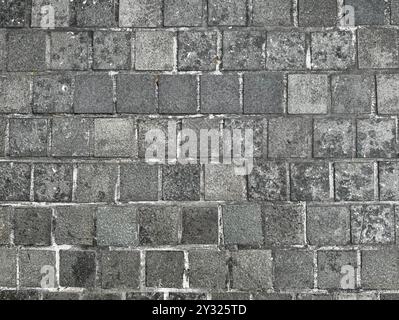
{"x":76,"y":101}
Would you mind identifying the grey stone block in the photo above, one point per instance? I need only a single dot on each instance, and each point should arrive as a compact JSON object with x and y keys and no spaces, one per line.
{"x":208,"y":269}
{"x":333,"y":50}
{"x":308,"y":93}
{"x":368,"y":12}
{"x":183,"y":13}
{"x":3,"y":50}
{"x":328,"y":226}
{"x":242,"y":225}
{"x":28,"y":137}
{"x":60,"y":295}
{"x":139,"y":182}
{"x":12,"y":13}
{"x":333,"y":138}
{"x":136,"y":93}
{"x":154,"y":50}
{"x":117,"y":226}
{"x":283,"y":225}
{"x":159,"y":226}
{"x":26,"y":51}
{"x":19,"y":295}
{"x":8,"y":267}
{"x":164,"y":269}
{"x":200,"y":225}
{"x":178,"y":94}
{"x":5,"y":225}
{"x":147,"y":140}
{"x":93,"y":13}
{"x":62,"y":14}
{"x":31,"y":265}
{"x":77,"y":268}
{"x":372,"y":224}
{"x":388,"y":93}
{"x":145,"y":13}
{"x":354,"y":181}
{"x":111,"y":50}
{"x":3,"y":128}
{"x":70,"y":50}
{"x":317,"y":13}
{"x":74,"y":226}
{"x":53,"y":94}
{"x":197,"y":50}
{"x":376,"y":48}
{"x":15,"y":181}
{"x":115,"y":138}
{"x":32,"y":226}
{"x":181,"y":182}
{"x":352,"y":93}
{"x":187,"y":296}
{"x":243,"y":50}
{"x":376,"y":138}
{"x":395,"y":12}
{"x":389,"y":181}
{"x":263,"y":93}
{"x":120,"y":269}
{"x":227,"y":12}
{"x":285,"y":50}
{"x":53,"y":182}
{"x":220,"y":94}
{"x":15,"y":94}
{"x":93,"y":94}
{"x":272,"y":13}
{"x":72,"y":137}
{"x":96,"y":182}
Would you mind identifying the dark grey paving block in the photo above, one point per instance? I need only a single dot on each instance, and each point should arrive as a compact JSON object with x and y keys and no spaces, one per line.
{"x":12,"y":13}
{"x":181,"y":182}
{"x":200,"y":225}
{"x":227,"y":12}
{"x":368,"y":12}
{"x":8,"y":268}
{"x":164,"y":269}
{"x":32,"y":263}
{"x":183,"y":13}
{"x":15,"y":93}
{"x":93,"y":13}
{"x":317,"y":13}
{"x":272,"y":13}
{"x":77,"y":268}
{"x":144,"y":14}
{"x":40,"y":13}
{"x":15,"y":181}
{"x":139,"y":182}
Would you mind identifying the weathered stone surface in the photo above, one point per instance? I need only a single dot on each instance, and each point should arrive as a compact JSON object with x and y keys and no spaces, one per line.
{"x":388,"y":94}
{"x":147,"y":13}
{"x":164,"y":269}
{"x":200,"y":225}
{"x":15,"y":94}
{"x":181,"y":182}
{"x":77,"y":268}
{"x":227,"y":12}
{"x":40,"y":14}
{"x":93,"y":13}
{"x":317,"y":13}
{"x":138,"y":182}
{"x":12,"y":13}
{"x":368,"y":12}
{"x":15,"y":181}
{"x":5,"y":225}
{"x":8,"y":267}
{"x":183,"y":13}
{"x":31,"y":263}
{"x":272,"y":13}
{"x":389,"y":181}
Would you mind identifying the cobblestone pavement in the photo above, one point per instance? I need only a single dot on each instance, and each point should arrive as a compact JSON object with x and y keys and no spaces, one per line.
{"x":83,"y":215}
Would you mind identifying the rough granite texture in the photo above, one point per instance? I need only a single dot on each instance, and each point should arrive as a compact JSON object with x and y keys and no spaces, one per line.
{"x":83,"y":83}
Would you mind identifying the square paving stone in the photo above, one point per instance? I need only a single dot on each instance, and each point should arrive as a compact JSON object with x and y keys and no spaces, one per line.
{"x":111,"y":50}
{"x":159,"y":225}
{"x":178,"y":94}
{"x":327,"y":226}
{"x":8,"y":267}
{"x":227,"y":12}
{"x":333,"y":50}
{"x":220,"y":94}
{"x":183,"y":13}
{"x":354,"y":181}
{"x":15,"y":181}
{"x":15,"y":94}
{"x":120,"y":269}
{"x":308,"y":93}
{"x":285,"y":50}
{"x":200,"y":225}
{"x":197,"y":50}
{"x":317,"y":13}
{"x":117,"y":226}
{"x":32,"y":226}
{"x":389,"y":181}
{"x":32,"y":263}
{"x":28,"y":137}
{"x":283,"y":225}
{"x":136,"y":93}
{"x":352,"y":93}
{"x":243,"y":50}
{"x":41,"y":14}
{"x":29,"y":47}
{"x":388,"y":93}
{"x":372,"y":224}
{"x":376,"y":48}
{"x":94,"y":13}
{"x":290,"y":137}
{"x":368,"y":12}
{"x":93,"y":94}
{"x":142,"y":14}
{"x":395,"y":12}
{"x":263,"y":93}
{"x":164,"y":269}
{"x":139,"y":182}
{"x":77,"y":268}
{"x":376,"y":138}
{"x":181,"y":182}
{"x":53,"y":94}
{"x":96,"y":182}
{"x":72,"y":137}
{"x":115,"y":138}
{"x":268,"y":181}
{"x":242,"y":225}
{"x":154,"y":50}
{"x":53,"y":182}
{"x":208,"y":269}
{"x":310,"y":181}
{"x":12,"y":13}
{"x":70,"y":50}
{"x":272,"y":13}
{"x":74,"y":226}
{"x":5,"y":225}
{"x":333,"y":138}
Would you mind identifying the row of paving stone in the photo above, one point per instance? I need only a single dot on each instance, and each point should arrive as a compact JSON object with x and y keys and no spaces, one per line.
{"x":280,"y":270}
{"x":188,"y":13}
{"x":242,"y":49}
{"x":244,"y":225}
